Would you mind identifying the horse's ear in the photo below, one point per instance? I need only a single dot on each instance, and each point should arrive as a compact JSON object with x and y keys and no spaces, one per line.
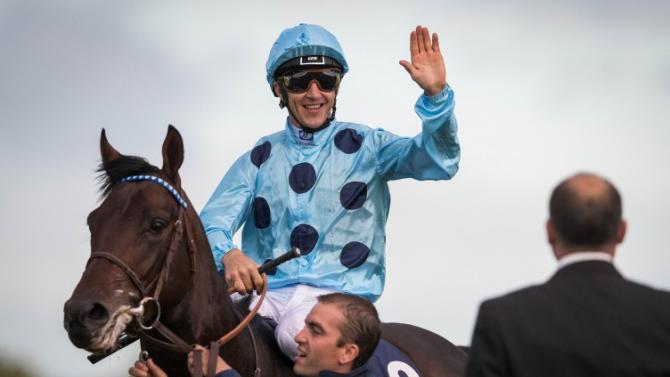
{"x":107,"y":152}
{"x":173,"y":154}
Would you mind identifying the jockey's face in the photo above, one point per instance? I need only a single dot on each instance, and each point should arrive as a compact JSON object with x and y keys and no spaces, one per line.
{"x":319,"y":343}
{"x":312,"y":107}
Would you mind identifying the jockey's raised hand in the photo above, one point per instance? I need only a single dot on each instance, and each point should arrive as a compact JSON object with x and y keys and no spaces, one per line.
{"x":241,"y":272}
{"x":427,"y":65}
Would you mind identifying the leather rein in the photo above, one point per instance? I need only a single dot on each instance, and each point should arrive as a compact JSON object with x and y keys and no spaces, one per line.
{"x":151,"y":301}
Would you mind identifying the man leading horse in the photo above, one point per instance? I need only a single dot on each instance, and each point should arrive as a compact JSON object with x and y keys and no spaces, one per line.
{"x":321,"y":184}
{"x":340,"y":335}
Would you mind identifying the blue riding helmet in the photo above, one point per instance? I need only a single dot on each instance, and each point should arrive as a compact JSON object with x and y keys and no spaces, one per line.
{"x":303,"y":40}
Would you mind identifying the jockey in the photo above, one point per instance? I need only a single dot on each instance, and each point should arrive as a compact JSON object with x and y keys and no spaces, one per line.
{"x":321,"y":184}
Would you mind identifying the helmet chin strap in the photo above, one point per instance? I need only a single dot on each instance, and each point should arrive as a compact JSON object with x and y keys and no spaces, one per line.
{"x":283,"y":102}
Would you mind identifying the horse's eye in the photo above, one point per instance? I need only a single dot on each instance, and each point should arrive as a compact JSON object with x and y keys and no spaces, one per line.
{"x":157,"y":225}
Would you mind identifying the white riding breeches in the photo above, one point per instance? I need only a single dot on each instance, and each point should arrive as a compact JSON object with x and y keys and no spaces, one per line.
{"x":289,"y":306}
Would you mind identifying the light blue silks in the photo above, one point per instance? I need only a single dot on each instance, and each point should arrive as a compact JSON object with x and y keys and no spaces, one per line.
{"x":303,"y":40}
{"x":330,"y":197}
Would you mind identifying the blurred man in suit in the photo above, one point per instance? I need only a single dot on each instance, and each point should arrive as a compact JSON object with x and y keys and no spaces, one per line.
{"x":587,"y":320}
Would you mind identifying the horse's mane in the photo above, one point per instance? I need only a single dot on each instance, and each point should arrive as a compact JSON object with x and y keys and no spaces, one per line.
{"x":111,"y":172}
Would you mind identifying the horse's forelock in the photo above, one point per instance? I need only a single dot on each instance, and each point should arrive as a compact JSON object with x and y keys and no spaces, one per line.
{"x":113,"y":171}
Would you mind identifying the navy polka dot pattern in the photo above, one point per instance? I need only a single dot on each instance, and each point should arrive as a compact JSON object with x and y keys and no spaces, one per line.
{"x":260,"y":153}
{"x":261,"y":213}
{"x":354,"y":254}
{"x":348,"y":141}
{"x":302,"y":177}
{"x":271,"y":271}
{"x":304,"y":237}
{"x":353,"y":194}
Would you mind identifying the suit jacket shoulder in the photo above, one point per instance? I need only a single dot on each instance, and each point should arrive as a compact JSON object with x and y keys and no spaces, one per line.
{"x":586,"y":317}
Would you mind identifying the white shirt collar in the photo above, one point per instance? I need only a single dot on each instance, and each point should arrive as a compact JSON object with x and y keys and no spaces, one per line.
{"x":302,"y":136}
{"x":583,"y":256}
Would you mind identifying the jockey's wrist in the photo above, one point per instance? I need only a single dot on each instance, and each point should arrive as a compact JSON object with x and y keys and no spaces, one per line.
{"x":232,"y":252}
{"x":435,"y":89}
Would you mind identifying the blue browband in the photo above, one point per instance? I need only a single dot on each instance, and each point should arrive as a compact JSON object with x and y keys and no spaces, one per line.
{"x":161,"y":182}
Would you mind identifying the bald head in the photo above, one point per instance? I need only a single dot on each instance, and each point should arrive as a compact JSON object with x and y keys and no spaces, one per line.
{"x":585,"y":214}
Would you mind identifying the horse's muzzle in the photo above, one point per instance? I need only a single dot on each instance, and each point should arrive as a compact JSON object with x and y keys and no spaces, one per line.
{"x":83,"y":319}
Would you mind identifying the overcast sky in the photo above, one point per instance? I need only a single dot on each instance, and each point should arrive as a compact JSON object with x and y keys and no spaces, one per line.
{"x":543,"y":89}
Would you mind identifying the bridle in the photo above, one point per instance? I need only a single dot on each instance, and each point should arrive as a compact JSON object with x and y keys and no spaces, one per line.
{"x":151,"y":301}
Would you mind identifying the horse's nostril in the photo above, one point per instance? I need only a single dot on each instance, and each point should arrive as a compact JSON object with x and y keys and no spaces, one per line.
{"x":98,"y":313}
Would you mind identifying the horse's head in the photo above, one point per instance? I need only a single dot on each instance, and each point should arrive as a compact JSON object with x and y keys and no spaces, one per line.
{"x":132,"y":231}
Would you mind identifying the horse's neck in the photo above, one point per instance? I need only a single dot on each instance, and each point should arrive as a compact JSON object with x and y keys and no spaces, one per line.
{"x":206,"y":312}
{"x":204,"y":308}
{"x":211,"y":311}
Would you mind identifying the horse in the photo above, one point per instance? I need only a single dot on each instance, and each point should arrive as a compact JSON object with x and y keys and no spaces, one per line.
{"x":145,"y":234}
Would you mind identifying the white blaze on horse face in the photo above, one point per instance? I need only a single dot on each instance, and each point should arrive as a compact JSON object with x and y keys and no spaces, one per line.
{"x":121,"y":292}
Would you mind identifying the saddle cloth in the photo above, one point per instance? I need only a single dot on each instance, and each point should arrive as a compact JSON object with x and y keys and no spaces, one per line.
{"x":389,"y":361}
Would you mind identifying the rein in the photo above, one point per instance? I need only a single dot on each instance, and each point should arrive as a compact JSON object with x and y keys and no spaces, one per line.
{"x":176,"y":343}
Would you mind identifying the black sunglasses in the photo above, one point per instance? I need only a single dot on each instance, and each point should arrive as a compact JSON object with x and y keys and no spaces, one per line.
{"x":299,"y":82}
